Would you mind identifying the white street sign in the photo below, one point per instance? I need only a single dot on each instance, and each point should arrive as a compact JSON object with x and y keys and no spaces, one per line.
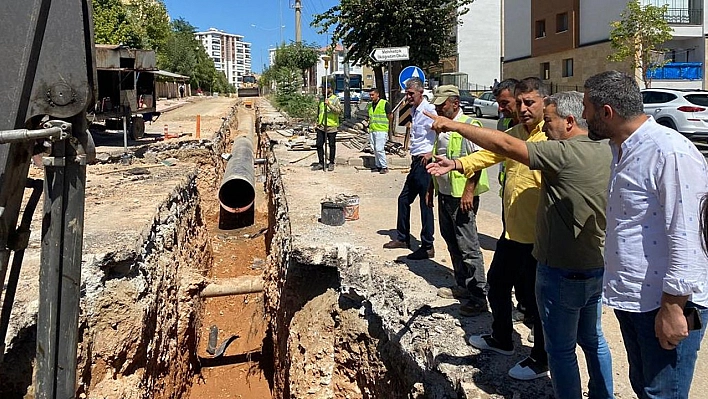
{"x":386,"y":54}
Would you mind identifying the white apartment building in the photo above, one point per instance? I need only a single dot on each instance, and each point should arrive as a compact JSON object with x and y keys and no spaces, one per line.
{"x":479,"y":43}
{"x":566,"y":41}
{"x":230,"y":53}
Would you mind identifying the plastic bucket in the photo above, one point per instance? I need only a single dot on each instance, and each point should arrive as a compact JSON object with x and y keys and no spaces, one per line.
{"x":351,"y":208}
{"x":332,"y":213}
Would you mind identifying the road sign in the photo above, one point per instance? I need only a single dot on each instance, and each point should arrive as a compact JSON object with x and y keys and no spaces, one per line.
{"x":386,"y":54}
{"x":410,"y":72}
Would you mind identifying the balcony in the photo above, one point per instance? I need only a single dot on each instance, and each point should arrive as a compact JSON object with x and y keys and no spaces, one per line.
{"x":678,"y":71}
{"x":681,"y":12}
{"x":684,"y":16}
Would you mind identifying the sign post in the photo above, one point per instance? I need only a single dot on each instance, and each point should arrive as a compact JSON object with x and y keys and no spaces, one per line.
{"x":387,"y":55}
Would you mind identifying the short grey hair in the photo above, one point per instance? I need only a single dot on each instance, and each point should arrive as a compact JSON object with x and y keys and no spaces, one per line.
{"x":616,"y":89}
{"x":568,"y":103}
{"x":415,"y":84}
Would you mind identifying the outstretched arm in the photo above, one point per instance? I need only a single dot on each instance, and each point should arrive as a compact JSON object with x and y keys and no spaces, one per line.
{"x":489,"y":139}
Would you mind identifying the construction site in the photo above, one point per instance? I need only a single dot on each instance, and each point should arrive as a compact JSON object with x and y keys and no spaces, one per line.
{"x":180,"y":299}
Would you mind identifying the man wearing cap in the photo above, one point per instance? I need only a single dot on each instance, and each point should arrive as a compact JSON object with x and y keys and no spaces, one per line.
{"x":456,"y":199}
{"x":380,"y":118}
{"x":328,"y":112}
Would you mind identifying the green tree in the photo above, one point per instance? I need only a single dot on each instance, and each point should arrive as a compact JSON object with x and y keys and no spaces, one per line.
{"x":424,"y":25}
{"x":287,"y":74}
{"x":637,"y":38}
{"x":151,"y":22}
{"x":112,"y":24}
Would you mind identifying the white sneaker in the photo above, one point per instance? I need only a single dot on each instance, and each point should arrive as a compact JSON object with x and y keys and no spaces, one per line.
{"x":528,"y":369}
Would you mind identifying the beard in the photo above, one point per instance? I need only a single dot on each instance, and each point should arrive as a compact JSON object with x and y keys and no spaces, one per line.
{"x":597,"y":130}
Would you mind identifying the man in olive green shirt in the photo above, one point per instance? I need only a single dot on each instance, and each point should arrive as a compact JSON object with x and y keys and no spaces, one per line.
{"x":570,"y":235}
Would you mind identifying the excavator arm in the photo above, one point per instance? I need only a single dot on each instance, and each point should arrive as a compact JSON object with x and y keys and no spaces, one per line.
{"x":47,"y":77}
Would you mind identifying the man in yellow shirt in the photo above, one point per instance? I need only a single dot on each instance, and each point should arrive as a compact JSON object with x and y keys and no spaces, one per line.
{"x":513,"y":263}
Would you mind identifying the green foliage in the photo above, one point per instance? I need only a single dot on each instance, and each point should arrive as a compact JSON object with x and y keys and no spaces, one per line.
{"x":637,"y":37}
{"x":423,"y":25}
{"x":286,"y":75}
{"x":113,"y":24}
{"x":297,"y":56}
{"x":151,"y":22}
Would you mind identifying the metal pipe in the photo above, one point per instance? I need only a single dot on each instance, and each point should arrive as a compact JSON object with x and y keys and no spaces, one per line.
{"x":235,"y":286}
{"x":11,"y":136}
{"x":237,"y":192}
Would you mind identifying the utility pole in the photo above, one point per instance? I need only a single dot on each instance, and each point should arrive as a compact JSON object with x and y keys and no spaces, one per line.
{"x":347,"y":94}
{"x":298,"y":30}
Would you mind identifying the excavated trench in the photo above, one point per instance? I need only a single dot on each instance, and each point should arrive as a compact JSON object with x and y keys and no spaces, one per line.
{"x":143,"y":322}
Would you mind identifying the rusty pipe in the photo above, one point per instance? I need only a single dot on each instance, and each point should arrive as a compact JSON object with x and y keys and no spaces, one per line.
{"x":234,"y":286}
{"x":237,"y":193}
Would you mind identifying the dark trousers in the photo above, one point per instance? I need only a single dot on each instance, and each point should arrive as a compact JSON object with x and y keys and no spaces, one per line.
{"x":513,"y":265}
{"x":332,"y":140}
{"x":459,"y":229}
{"x":416,"y":186}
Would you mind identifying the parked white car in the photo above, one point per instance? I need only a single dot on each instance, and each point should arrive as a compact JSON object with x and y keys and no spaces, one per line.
{"x":428,"y":94}
{"x":486,"y":104}
{"x":685,"y":111}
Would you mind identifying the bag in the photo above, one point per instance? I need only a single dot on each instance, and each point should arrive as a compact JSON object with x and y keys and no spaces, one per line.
{"x":483,"y":183}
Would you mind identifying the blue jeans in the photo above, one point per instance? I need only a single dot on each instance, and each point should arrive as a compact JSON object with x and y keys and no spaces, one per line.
{"x":570,"y":309}
{"x":655,"y":372}
{"x":378,"y":142}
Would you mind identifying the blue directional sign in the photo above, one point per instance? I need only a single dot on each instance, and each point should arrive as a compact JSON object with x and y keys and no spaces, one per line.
{"x":410,"y":72}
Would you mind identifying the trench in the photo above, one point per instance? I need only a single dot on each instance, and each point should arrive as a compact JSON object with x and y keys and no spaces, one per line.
{"x":144,"y":327}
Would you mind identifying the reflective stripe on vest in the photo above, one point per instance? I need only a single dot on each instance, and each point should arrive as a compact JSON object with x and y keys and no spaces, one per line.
{"x":378,"y":120}
{"x":455,"y":150}
{"x":332,"y":117}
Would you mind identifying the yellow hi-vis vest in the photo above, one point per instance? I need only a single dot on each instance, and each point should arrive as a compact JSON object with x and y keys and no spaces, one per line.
{"x":332,"y":117}
{"x":378,"y":120}
{"x":455,"y":150}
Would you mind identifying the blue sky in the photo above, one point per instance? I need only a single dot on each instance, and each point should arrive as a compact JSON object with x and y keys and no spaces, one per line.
{"x":238,"y":16}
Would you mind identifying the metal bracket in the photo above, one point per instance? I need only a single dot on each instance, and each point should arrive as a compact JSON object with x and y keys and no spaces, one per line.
{"x":53,"y":130}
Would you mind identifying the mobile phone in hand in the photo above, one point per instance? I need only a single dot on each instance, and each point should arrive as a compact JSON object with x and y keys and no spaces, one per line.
{"x":693,"y":318}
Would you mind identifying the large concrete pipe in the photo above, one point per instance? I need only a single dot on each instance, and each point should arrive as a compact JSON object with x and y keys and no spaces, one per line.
{"x":234,"y":286}
{"x":236,"y":193}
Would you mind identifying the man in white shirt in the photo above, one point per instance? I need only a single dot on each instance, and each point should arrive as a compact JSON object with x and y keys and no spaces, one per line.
{"x":418,"y":179}
{"x":655,"y":269}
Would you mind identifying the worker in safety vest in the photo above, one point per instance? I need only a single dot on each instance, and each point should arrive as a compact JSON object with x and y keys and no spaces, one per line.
{"x":328,"y":111}
{"x":456,"y":202}
{"x":380,"y":119}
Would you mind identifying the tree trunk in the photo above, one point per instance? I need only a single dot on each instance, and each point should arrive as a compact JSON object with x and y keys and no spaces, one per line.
{"x":379,"y":79}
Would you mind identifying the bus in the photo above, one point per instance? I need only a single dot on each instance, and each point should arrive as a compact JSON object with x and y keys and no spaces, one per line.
{"x":336,"y":82}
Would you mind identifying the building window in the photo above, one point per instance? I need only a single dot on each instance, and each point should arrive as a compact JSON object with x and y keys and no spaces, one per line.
{"x":545,"y":70}
{"x":567,"y":67}
{"x":561,"y":22}
{"x":540,"y":28}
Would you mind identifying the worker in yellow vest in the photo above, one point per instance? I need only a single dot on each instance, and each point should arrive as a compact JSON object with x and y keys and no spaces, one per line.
{"x":380,"y":118}
{"x":328,"y":111}
{"x":456,"y":214}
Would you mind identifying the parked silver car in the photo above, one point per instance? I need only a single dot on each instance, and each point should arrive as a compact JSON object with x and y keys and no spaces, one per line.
{"x":685,"y":111}
{"x":486,"y":104}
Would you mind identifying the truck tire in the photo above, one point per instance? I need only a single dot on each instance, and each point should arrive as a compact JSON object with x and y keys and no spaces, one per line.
{"x":137,"y":127}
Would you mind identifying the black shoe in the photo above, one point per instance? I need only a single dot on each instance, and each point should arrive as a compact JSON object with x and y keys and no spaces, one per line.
{"x":474,"y":307}
{"x":422,"y":253}
{"x":319,"y":166}
{"x":383,"y":171}
{"x":330,"y":167}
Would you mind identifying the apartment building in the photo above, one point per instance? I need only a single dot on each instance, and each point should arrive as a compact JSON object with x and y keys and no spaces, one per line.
{"x":231,"y":55}
{"x":479,"y":43}
{"x":566,"y":41}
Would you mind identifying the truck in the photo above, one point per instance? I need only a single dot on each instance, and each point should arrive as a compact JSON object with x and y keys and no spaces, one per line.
{"x":126,"y":89}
